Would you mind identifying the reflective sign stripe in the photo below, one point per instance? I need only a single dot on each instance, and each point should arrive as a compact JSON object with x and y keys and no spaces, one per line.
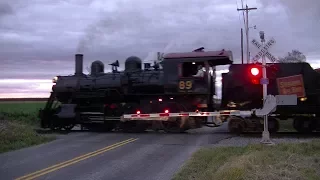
{"x":190,"y":114}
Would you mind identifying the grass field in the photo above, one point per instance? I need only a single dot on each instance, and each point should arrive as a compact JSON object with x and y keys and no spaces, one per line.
{"x":17,"y":122}
{"x":284,"y":161}
{"x":24,"y":111}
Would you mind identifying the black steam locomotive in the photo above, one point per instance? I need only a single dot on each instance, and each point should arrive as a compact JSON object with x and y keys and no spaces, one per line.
{"x":99,"y":99}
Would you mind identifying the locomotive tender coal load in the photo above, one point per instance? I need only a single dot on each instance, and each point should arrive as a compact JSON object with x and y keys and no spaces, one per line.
{"x":174,"y":94}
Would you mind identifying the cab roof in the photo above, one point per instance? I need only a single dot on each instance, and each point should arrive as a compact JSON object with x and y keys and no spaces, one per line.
{"x":199,"y":54}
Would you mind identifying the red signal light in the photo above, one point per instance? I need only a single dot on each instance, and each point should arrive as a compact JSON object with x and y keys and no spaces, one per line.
{"x":255,"y":81}
{"x":255,"y":71}
{"x":166,"y":111}
{"x":255,"y":75}
{"x":138,"y":112}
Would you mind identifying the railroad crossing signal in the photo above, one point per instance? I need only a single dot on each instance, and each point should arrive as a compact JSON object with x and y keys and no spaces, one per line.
{"x":264,"y":50}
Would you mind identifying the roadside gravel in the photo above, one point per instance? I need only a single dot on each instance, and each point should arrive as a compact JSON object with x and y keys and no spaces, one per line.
{"x":244,"y":141}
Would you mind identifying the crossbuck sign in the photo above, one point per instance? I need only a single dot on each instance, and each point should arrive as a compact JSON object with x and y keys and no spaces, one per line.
{"x":264,"y":50}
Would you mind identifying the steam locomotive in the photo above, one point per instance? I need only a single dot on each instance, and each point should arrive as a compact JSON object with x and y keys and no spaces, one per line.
{"x":97,"y":101}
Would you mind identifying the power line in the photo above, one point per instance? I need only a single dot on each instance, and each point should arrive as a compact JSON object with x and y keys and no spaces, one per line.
{"x":238,"y":12}
{"x":247,"y":9}
{"x":244,"y":20}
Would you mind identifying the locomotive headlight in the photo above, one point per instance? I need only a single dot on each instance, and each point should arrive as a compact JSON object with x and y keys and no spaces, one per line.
{"x":303,"y":99}
{"x":55,"y":79}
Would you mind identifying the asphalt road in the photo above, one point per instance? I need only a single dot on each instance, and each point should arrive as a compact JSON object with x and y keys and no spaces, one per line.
{"x":120,"y":156}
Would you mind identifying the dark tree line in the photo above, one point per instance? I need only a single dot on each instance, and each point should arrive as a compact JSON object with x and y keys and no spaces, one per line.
{"x":295,"y":56}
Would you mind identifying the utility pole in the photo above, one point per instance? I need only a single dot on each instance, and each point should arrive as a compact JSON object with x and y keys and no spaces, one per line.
{"x":247,"y":29}
{"x":241,"y":46}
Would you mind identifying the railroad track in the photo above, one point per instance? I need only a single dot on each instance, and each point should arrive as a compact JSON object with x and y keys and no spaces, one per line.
{"x":49,"y":131}
{"x":244,"y":134}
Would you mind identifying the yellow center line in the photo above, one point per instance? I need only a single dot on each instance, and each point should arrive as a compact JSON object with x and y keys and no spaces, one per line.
{"x":74,"y":160}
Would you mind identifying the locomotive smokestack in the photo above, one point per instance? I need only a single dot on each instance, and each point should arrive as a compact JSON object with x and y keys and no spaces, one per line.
{"x":79,"y":64}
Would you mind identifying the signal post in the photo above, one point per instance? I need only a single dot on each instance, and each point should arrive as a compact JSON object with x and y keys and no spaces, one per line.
{"x":264,"y":80}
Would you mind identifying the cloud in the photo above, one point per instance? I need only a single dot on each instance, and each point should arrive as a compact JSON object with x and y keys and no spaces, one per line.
{"x":5,"y":9}
{"x":20,"y":87}
{"x":296,"y":28}
{"x":38,"y":39}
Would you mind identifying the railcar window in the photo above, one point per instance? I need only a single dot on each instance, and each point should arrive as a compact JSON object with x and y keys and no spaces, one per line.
{"x":189,"y":69}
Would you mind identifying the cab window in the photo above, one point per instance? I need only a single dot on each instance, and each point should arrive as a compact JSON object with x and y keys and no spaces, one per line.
{"x":192,"y":69}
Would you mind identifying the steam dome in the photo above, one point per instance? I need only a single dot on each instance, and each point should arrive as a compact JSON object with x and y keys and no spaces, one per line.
{"x":133,"y":63}
{"x":97,"y":67}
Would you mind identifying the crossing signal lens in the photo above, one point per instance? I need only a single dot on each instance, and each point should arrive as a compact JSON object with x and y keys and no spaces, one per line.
{"x":254,"y":71}
{"x":255,"y":81}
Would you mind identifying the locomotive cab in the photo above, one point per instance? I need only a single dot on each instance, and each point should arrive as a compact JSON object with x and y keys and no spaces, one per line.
{"x":192,"y":74}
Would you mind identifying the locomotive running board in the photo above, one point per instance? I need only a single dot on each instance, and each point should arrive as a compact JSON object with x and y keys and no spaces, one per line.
{"x":269,"y":107}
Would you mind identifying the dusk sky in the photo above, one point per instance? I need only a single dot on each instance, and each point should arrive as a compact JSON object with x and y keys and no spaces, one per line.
{"x":40,"y":37}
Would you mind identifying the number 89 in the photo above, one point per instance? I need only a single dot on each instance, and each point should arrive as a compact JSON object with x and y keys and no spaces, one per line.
{"x":185,"y":84}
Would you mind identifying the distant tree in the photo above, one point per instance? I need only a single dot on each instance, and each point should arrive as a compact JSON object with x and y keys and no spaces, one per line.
{"x":295,"y":56}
